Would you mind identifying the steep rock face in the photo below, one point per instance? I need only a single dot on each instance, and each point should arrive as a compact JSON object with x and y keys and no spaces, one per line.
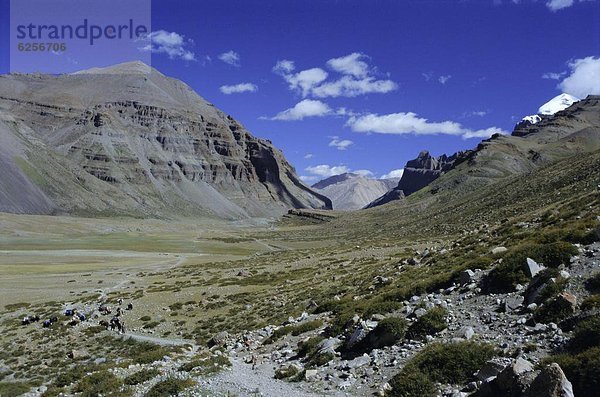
{"x":134,"y":141}
{"x":419,"y":173}
{"x":352,"y":191}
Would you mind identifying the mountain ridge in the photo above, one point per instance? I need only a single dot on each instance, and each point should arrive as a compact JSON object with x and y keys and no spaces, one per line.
{"x":140,"y":144}
{"x":350,"y":191}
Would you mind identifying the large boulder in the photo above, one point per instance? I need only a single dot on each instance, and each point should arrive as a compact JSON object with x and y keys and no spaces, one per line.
{"x":532,"y":268}
{"x":512,"y":381}
{"x":551,"y":382}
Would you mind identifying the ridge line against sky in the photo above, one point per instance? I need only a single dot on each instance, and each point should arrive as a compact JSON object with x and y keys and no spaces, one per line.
{"x":366,"y":85}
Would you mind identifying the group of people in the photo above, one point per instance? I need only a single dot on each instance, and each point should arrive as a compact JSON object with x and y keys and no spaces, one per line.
{"x":116,"y":321}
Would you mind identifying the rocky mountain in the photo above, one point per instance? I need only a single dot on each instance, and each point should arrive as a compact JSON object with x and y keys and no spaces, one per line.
{"x":555,"y":105}
{"x":566,"y":133}
{"x":418,"y":173}
{"x":351,"y":191}
{"x":128,"y":140}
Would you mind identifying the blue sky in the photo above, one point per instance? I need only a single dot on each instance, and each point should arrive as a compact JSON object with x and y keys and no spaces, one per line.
{"x":375,"y":70}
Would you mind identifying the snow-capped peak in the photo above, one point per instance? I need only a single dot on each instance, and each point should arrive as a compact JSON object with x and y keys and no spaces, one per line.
{"x":534,"y":118}
{"x":556,"y":104}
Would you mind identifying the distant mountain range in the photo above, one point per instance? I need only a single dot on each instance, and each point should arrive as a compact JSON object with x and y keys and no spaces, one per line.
{"x":127,"y":140}
{"x":352,"y":191}
{"x":573,"y":128}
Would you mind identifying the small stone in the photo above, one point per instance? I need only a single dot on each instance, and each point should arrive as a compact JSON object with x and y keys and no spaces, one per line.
{"x":311,"y":374}
{"x":466,"y":333}
{"x":499,"y":250}
{"x":513,"y":303}
{"x":358,"y":362}
{"x":420,"y":312}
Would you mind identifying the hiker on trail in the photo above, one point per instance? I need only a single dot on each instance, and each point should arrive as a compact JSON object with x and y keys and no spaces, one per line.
{"x":254,"y":361}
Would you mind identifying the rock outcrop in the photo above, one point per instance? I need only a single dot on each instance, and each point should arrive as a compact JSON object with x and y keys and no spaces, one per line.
{"x":419,"y":173}
{"x":129,"y":140}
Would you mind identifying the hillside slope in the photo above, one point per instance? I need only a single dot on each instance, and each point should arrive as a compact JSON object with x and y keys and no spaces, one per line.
{"x":129,"y":140}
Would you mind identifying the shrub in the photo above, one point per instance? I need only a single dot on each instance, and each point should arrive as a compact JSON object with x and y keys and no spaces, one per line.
{"x":286,"y":372}
{"x":319,"y":359}
{"x":141,"y":376}
{"x":452,"y":363}
{"x":586,"y":335}
{"x":145,"y":318}
{"x":591,"y":302}
{"x":309,"y":346}
{"x":553,"y":311}
{"x":146,"y":353}
{"x":583,"y":370}
{"x":387,"y":332}
{"x":552,"y":290}
{"x":206,"y":366}
{"x":13,"y":389}
{"x":505,"y":276}
{"x":102,"y":382}
{"x":430,"y":323}
{"x":71,"y":376}
{"x":411,"y":383}
{"x":592,"y":284}
{"x":295,"y":330}
{"x":381,"y":308}
{"x":555,"y":254}
{"x":169,"y":387}
{"x":151,"y":325}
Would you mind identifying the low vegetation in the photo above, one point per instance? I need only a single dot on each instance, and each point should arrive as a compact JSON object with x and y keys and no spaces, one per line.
{"x":141,"y":376}
{"x":294,"y":329}
{"x":445,"y":363}
{"x":169,"y":387}
{"x":430,"y":323}
{"x":505,"y":276}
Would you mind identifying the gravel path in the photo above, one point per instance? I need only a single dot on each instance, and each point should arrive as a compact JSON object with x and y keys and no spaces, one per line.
{"x":242,"y":381}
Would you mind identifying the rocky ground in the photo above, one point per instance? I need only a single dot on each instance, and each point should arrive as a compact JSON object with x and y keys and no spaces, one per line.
{"x":500,"y":319}
{"x":274,"y":360}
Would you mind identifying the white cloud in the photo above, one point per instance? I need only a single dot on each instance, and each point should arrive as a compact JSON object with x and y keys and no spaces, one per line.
{"x":553,"y":76}
{"x":393,"y":174}
{"x":309,"y":156}
{"x":309,"y":178}
{"x":340,"y":144}
{"x":303,"y":109}
{"x":444,"y":79}
{"x":355,"y":80}
{"x":365,"y":173}
{"x":284,"y":66}
{"x":325,"y":171}
{"x":230,"y":57}
{"x":306,"y":80}
{"x":347,"y":86}
{"x":410,"y":123}
{"x":170,"y":43}
{"x":350,"y":64}
{"x":584,"y":78}
{"x":555,"y":5}
{"x":238,"y":88}
{"x":427,"y":75}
